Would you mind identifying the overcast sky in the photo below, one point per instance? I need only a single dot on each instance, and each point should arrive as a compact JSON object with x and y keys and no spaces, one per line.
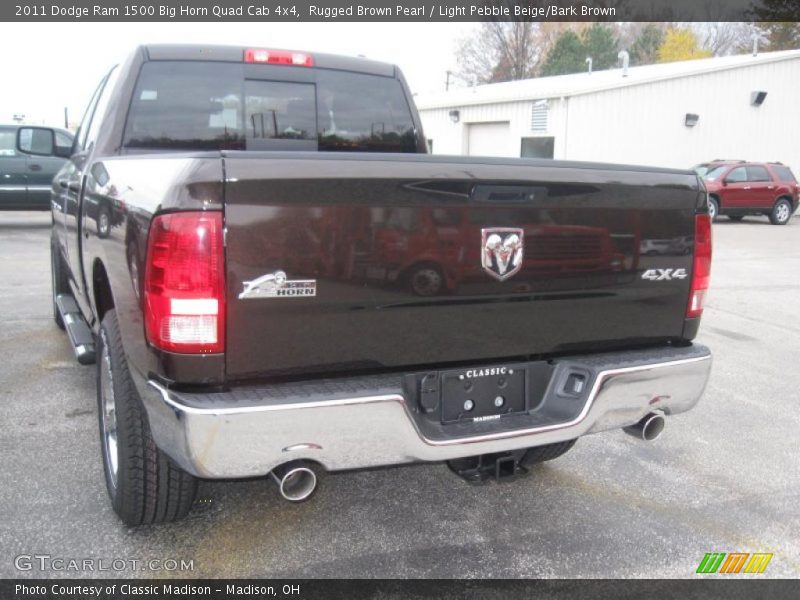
{"x":47,"y":66}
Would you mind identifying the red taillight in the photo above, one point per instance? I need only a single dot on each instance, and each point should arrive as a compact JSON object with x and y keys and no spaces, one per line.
{"x":701,"y":268}
{"x":184,"y":284}
{"x":278,"y":57}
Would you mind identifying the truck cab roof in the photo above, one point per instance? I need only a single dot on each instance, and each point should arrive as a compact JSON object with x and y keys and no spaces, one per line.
{"x":202,"y":52}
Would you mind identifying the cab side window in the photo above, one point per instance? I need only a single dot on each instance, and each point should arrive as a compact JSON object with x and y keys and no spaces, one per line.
{"x":737,"y":175}
{"x":100,"y":109}
{"x":83,"y":129}
{"x":87,"y":132}
{"x":8,"y":142}
{"x":784,"y":174}
{"x":755,"y":173}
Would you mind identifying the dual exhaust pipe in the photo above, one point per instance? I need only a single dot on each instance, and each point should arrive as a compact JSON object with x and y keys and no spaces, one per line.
{"x":648,"y":429}
{"x":296,"y":480}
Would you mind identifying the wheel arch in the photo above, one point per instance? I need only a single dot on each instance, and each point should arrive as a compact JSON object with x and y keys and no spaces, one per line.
{"x":786,"y":197}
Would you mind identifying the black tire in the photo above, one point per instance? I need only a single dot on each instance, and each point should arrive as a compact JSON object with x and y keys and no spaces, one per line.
{"x":144,"y":485}
{"x":58,"y":280}
{"x":736,"y":218}
{"x":713,"y":208}
{"x":781,"y":213}
{"x":540,"y":454}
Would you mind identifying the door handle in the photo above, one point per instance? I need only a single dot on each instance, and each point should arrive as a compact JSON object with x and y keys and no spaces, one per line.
{"x":35,"y":167}
{"x":747,"y":187}
{"x":74,"y":186}
{"x":62,"y":183}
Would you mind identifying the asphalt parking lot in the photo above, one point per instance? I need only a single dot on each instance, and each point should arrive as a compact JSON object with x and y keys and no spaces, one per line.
{"x":723,"y":477}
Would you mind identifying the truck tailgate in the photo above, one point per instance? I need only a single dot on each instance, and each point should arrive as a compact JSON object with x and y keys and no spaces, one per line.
{"x":359,"y":262}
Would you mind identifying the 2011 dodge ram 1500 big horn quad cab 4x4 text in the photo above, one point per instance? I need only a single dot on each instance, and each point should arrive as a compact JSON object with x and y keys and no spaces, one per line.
{"x":288,"y":284}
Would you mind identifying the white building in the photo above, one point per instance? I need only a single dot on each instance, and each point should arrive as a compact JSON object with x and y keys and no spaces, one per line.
{"x":673,"y":114}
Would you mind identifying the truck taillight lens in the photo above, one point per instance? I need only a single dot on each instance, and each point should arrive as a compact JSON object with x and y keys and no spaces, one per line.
{"x":701,"y":269}
{"x":278,"y":57}
{"x":184,"y":284}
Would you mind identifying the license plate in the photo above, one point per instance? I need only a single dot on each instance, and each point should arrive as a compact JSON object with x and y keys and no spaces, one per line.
{"x":483,"y":393}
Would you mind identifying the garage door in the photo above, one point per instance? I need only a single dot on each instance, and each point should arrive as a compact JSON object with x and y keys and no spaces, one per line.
{"x":491,"y":139}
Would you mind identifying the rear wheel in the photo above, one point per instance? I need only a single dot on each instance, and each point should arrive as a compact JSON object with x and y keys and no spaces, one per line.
{"x":713,"y":208}
{"x":426,"y":280}
{"x":103,"y":222}
{"x":58,"y":279}
{"x":736,"y":218}
{"x":144,"y":485}
{"x":541,"y":454}
{"x":781,"y":212}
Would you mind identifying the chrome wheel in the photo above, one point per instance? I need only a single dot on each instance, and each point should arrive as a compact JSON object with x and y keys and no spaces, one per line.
{"x":712,"y":209}
{"x":782,"y":212}
{"x":144,"y":486}
{"x":108,"y":415}
{"x":426,"y":282}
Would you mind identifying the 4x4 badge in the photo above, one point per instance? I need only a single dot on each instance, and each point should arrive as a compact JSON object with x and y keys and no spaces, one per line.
{"x":664,"y":274}
{"x":501,"y":251}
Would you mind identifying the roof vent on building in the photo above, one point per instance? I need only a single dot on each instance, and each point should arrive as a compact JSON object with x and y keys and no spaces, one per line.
{"x":625,"y":58}
{"x":539,"y":116}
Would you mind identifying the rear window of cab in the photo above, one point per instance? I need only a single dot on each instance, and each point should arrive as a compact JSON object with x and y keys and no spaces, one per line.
{"x":188,"y":105}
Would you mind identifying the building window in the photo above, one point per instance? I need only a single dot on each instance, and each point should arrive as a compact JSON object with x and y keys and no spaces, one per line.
{"x":539,"y":116}
{"x":537,"y":147}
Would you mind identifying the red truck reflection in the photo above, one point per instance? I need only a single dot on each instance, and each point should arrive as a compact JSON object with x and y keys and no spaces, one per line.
{"x":428,"y":251}
{"x":433,"y":250}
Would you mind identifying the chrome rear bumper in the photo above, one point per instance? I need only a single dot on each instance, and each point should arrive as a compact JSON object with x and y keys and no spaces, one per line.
{"x":250,"y":431}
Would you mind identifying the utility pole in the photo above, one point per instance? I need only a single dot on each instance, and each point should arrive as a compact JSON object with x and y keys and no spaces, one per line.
{"x":66,"y":119}
{"x":447,"y":81}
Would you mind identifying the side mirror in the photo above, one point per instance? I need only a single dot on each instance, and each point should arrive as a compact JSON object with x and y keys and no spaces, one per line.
{"x":39,"y":141}
{"x":62,"y":151}
{"x":724,"y":182}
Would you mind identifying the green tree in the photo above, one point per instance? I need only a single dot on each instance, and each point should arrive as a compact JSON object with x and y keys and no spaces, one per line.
{"x":680,"y":44}
{"x":781,"y":35}
{"x":567,"y":55}
{"x":644,"y":50}
{"x":601,"y":44}
{"x":774,"y":24}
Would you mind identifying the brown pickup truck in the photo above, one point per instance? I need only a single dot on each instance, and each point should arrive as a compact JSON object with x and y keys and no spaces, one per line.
{"x":287,"y":283}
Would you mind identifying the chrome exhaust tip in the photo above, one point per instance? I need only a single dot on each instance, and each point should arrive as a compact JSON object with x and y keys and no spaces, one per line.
{"x":648,"y":429}
{"x":296,"y":480}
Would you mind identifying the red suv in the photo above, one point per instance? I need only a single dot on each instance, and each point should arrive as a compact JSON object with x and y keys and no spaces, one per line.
{"x":738,"y":188}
